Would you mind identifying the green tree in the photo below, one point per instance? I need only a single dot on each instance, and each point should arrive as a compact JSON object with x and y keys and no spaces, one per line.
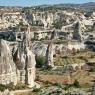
{"x":76,"y":84}
{"x":57,"y":24}
{"x":40,"y":61}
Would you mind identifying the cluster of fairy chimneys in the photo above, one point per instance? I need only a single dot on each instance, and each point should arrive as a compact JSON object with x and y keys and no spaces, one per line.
{"x":19,"y":65}
{"x":25,"y":59}
{"x":77,"y":34}
{"x":22,"y":62}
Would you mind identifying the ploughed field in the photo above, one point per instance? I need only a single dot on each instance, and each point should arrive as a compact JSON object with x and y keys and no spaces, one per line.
{"x":73,"y":57}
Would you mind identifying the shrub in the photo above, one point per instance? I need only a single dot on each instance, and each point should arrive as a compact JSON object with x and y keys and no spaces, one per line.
{"x":65,"y":56}
{"x":58,"y":84}
{"x":68,"y":93}
{"x":2,"y":87}
{"x":20,"y":86}
{"x":67,"y":86}
{"x":76,"y":84}
{"x":49,"y":67}
{"x":81,"y":57}
{"x":36,"y":90}
{"x":11,"y":86}
{"x":40,"y":61}
{"x":57,"y":24}
{"x":47,"y":82}
{"x":92,"y":56}
{"x":92,"y":69}
{"x":37,"y":78}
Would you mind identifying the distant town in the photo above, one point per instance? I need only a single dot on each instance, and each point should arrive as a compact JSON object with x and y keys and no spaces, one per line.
{"x":47,"y":49}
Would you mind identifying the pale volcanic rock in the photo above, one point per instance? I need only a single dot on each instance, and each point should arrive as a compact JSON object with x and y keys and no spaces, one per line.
{"x":49,"y":55}
{"x":30,"y":68}
{"x":39,"y":48}
{"x":7,"y":66}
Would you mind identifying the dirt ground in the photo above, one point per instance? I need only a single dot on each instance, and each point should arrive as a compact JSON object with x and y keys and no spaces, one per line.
{"x":83,"y":77}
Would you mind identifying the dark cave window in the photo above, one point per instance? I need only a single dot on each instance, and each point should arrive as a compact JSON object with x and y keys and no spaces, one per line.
{"x":19,"y":36}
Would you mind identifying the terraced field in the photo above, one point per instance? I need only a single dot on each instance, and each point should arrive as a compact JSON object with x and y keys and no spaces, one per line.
{"x":78,"y":57}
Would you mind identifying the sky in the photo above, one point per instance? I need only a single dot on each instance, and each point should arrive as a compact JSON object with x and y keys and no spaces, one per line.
{"x":38,"y":2}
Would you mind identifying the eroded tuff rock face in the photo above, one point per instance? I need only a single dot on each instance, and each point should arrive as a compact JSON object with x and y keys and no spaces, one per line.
{"x":49,"y":55}
{"x":54,"y":35}
{"x":39,"y":48}
{"x":18,"y":65}
{"x":30,"y":67}
{"x":19,"y":59}
{"x":25,"y":62}
{"x":25,"y":59}
{"x":77,"y":32}
{"x":50,"y":51}
{"x":7,"y":66}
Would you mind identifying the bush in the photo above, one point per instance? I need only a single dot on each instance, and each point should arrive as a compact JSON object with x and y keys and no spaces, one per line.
{"x":20,"y":86}
{"x":47,"y":82}
{"x":3,"y":87}
{"x":11,"y":86}
{"x":76,"y":84}
{"x":58,"y":84}
{"x":81,"y":57}
{"x":40,"y":61}
{"x":68,"y":93}
{"x":36,"y":90}
{"x":92,"y":69}
{"x":67,"y":86}
{"x":37,"y":78}
{"x":57,"y":24}
{"x":92,"y":56}
{"x":65,"y":56}
{"x":49,"y":67}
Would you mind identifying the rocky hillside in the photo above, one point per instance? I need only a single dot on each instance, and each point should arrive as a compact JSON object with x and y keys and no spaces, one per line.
{"x":88,"y":5}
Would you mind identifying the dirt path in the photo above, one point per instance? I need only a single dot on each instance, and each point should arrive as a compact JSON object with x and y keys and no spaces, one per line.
{"x":23,"y":92}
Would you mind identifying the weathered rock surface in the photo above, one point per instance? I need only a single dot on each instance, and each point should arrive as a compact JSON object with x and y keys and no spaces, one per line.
{"x":77,"y":32}
{"x":39,"y":48}
{"x":18,"y":64}
{"x":7,"y":66}
{"x":49,"y":55}
{"x":30,"y":68}
{"x":25,"y":59}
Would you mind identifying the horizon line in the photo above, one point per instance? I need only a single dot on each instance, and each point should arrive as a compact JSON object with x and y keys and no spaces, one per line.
{"x":34,"y":5}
